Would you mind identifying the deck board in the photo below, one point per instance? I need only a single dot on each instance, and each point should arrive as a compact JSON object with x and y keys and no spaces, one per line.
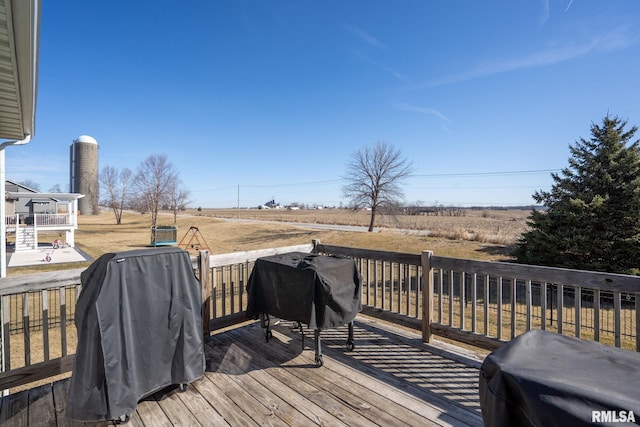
{"x":391,"y":378}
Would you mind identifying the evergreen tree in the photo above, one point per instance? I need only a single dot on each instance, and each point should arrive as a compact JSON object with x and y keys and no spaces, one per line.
{"x":592,"y":220}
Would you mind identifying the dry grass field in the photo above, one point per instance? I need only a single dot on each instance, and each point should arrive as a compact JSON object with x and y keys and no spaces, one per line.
{"x":482,"y":225}
{"x":484,"y":235}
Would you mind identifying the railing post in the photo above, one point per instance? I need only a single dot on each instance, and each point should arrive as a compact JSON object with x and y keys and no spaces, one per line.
{"x":427,"y":295}
{"x":315,"y":243}
{"x":205,"y":286}
{"x":35,"y":231}
{"x":5,"y":311}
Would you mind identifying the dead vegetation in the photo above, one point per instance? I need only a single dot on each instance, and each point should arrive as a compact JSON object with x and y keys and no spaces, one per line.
{"x":503,"y":227}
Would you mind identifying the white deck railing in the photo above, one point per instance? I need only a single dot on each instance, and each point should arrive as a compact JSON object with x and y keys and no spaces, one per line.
{"x":40,"y":220}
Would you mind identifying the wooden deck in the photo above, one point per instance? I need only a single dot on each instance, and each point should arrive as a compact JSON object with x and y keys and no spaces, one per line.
{"x":391,"y":378}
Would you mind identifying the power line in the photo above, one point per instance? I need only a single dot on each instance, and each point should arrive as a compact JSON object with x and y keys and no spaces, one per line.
{"x":525,"y":172}
{"x":292,"y":184}
{"x":522,"y":187}
{"x":438,"y":175}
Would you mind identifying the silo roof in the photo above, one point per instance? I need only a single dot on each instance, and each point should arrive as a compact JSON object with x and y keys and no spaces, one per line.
{"x":86,"y":139}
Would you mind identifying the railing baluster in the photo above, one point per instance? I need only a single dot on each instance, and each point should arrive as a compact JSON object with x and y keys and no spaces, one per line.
{"x":543,"y":306}
{"x":232,"y":278}
{"x":514,"y":307}
{"x":368,"y":281}
{"x":462,"y":300}
{"x":224,"y":290}
{"x":499,"y":296}
{"x":399,"y":296}
{"x":45,"y":324}
{"x":578,"y":307}
{"x":637,"y":313}
{"x":63,"y":320}
{"x":407,"y":287}
{"x":616,"y":307}
{"x":26,"y":330}
{"x":560,"y":308}
{"x":384,"y":283}
{"x":487,"y":280}
{"x":6,"y":333}
{"x":375,"y":283}
{"x":243,"y":283}
{"x":391,"y":287}
{"x":451,"y":299}
{"x":426,"y":278}
{"x":596,"y":315}
{"x":440,"y":295}
{"x":474,"y":303}
{"x":214,"y":291}
{"x":419,"y":290}
{"x":528,"y":297}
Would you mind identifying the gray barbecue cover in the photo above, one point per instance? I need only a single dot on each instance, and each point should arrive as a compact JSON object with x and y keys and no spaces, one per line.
{"x":139,"y":326}
{"x":318,"y":290}
{"x":546,"y":379}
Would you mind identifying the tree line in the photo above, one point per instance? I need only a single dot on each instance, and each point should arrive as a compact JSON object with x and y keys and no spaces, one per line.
{"x":155,"y":185}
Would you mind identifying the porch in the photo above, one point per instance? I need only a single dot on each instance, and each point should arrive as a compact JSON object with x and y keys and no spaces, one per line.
{"x":391,"y":378}
{"x":62,"y":217}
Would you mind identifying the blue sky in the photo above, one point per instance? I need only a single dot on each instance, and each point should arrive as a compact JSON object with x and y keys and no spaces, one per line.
{"x":273,"y":97}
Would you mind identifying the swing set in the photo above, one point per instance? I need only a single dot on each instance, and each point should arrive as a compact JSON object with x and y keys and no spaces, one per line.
{"x":193,"y":240}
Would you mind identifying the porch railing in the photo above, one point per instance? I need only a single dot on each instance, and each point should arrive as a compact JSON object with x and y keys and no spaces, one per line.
{"x":40,"y":220}
{"x":474,"y":302}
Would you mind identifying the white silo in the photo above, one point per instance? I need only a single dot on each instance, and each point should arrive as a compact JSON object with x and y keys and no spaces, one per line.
{"x":84,"y":173}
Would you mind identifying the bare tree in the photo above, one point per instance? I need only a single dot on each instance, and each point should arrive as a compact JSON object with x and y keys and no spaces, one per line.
{"x":177,"y":197}
{"x":55,"y":188}
{"x":374,"y":177}
{"x":29,"y":183}
{"x":152,"y":180}
{"x":117,"y":185}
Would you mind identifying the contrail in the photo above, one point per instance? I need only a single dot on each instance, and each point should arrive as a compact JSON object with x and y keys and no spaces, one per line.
{"x":568,"y":6}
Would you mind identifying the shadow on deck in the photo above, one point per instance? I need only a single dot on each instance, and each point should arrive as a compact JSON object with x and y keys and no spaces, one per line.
{"x":391,"y":378}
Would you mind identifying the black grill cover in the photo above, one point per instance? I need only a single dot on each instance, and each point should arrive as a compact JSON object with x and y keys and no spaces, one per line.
{"x":546,"y":379}
{"x":317,"y":290}
{"x":139,"y":326}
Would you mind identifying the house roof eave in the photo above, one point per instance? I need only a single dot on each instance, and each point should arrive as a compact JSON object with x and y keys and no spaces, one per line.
{"x":19,"y":68}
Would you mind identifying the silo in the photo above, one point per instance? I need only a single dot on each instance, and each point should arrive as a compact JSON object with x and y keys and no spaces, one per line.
{"x":84,"y":173}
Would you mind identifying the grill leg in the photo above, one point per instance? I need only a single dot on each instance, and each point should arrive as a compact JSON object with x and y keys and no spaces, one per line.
{"x":318,"y":348}
{"x":350,"y":344}
{"x":123,"y":419}
{"x":302,"y":335}
{"x":264,"y":322}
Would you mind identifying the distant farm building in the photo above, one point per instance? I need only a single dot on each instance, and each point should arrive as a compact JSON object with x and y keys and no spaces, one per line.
{"x":271,"y":204}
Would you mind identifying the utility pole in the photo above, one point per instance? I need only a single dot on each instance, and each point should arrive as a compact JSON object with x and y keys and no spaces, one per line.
{"x":238,"y":205}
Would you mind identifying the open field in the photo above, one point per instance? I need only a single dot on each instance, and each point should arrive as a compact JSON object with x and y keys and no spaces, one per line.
{"x":484,"y":235}
{"x":482,"y":225}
